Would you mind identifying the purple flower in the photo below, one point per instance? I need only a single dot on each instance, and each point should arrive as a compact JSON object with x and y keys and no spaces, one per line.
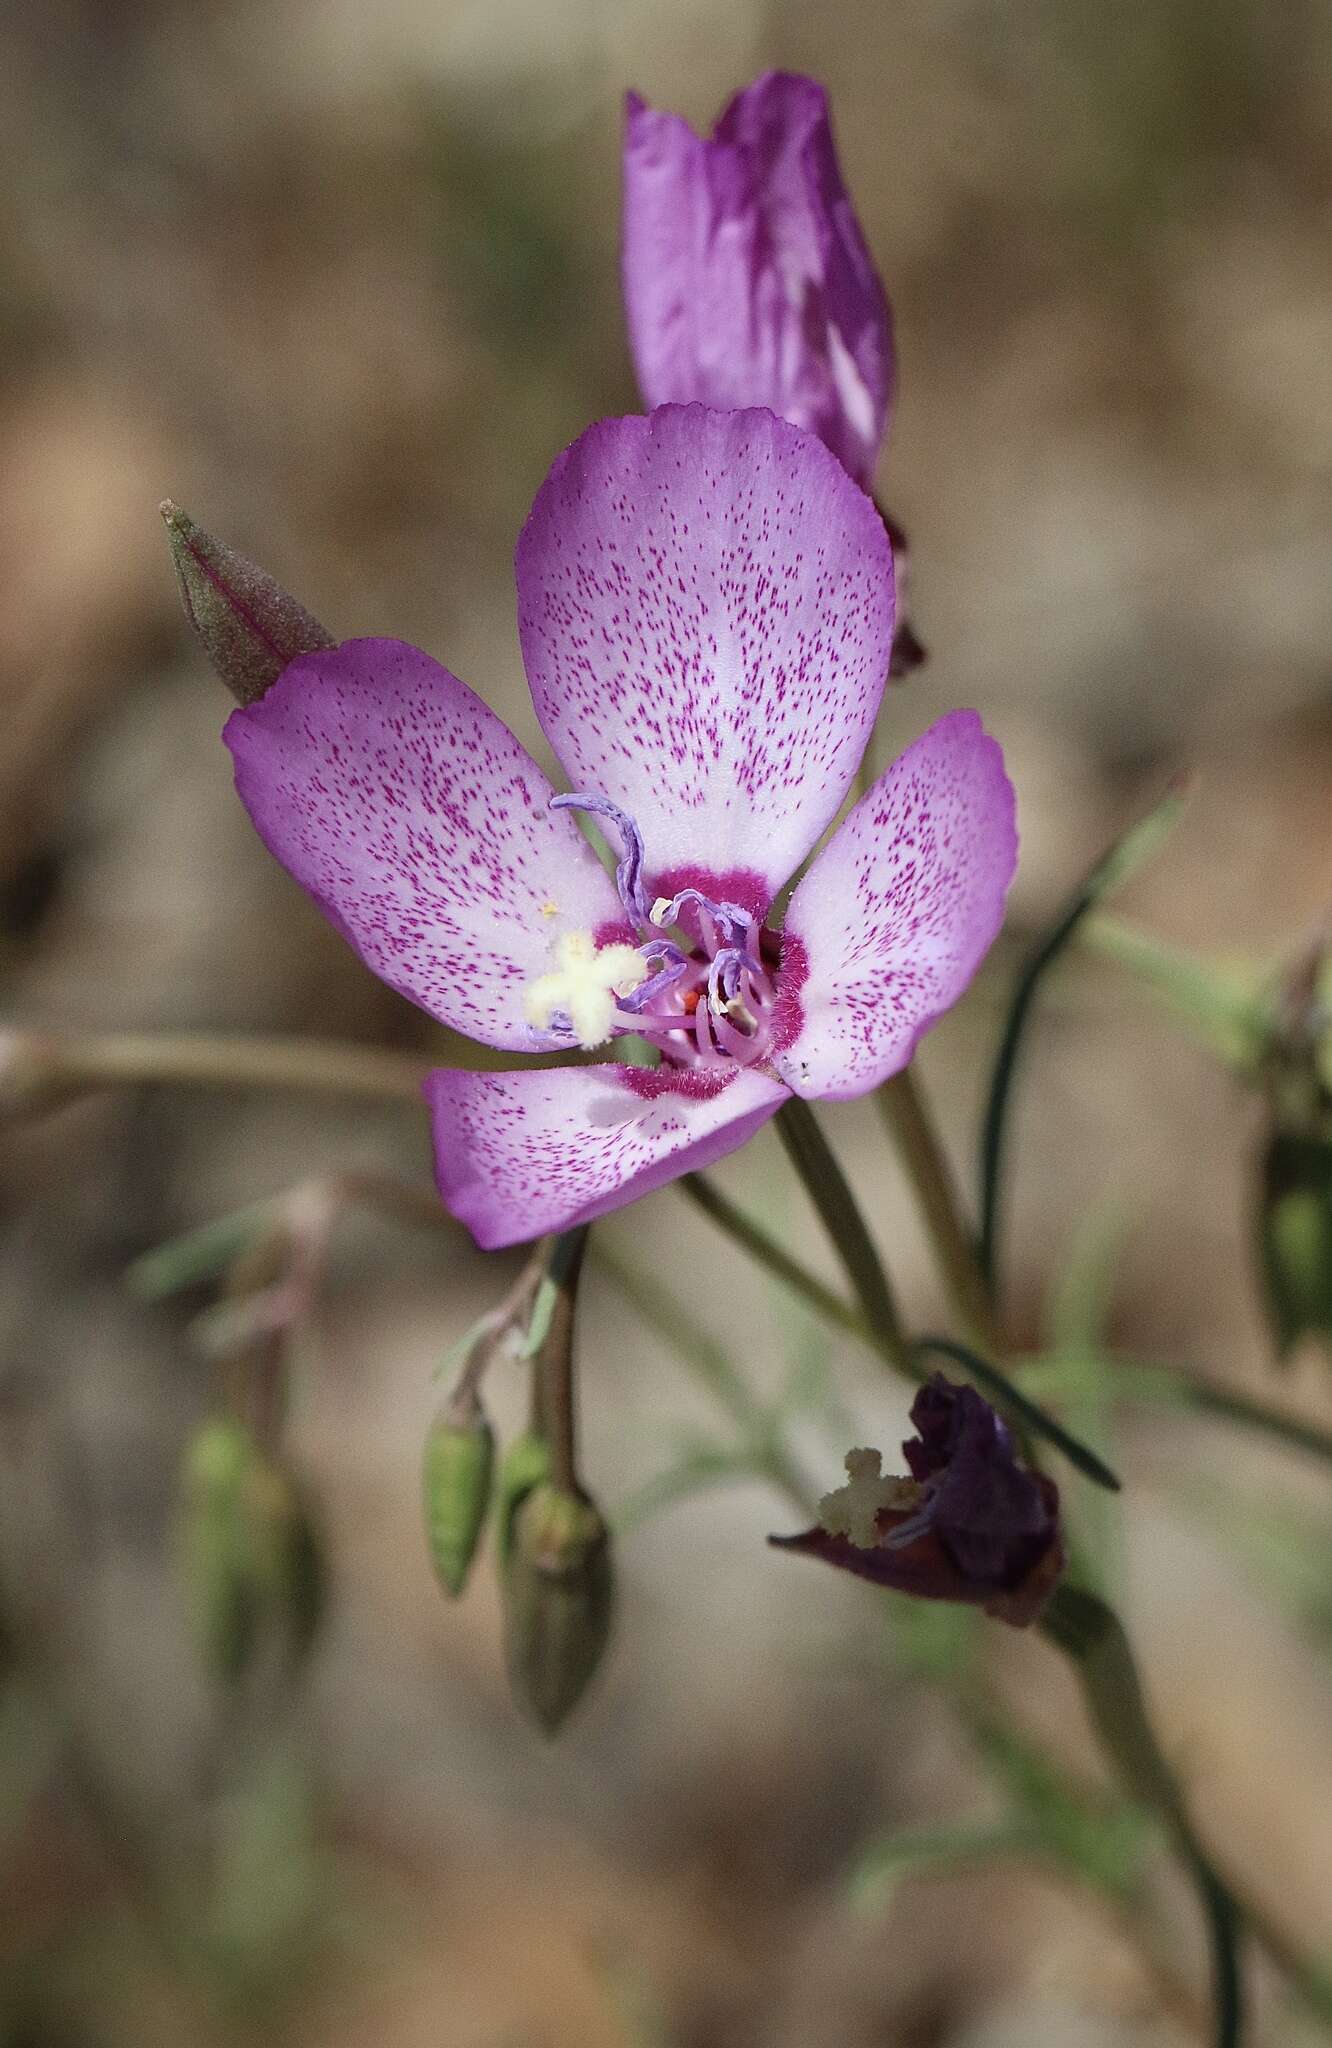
{"x":746,"y":277}
{"x":971,"y":1524}
{"x":705,"y":606}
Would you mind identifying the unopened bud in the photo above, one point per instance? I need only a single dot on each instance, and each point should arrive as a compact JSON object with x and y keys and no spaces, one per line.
{"x":1295,"y":1236}
{"x":459,"y":1468}
{"x":525,"y":1464}
{"x":249,"y":625}
{"x":558,"y":1597}
{"x":250,"y":1560}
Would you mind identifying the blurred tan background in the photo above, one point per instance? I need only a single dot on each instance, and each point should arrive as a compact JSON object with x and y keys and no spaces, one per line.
{"x":342,"y":281}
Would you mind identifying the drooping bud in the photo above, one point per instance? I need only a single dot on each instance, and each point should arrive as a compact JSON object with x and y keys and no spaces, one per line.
{"x":970,"y":1524}
{"x":1295,"y":1236}
{"x":249,"y":625}
{"x":459,"y":1468}
{"x":250,"y":1561}
{"x":558,"y":1598}
{"x":525,"y":1464}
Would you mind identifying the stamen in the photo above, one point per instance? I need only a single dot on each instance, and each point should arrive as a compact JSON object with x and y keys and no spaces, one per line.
{"x":629,"y":868}
{"x":732,"y":919}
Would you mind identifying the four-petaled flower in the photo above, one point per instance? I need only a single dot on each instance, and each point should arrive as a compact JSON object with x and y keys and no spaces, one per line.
{"x":971,"y":1524}
{"x":746,"y":276}
{"x":705,"y":609}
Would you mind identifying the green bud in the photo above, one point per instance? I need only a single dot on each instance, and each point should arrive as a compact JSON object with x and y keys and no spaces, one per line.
{"x":249,"y":1556}
{"x":558,"y":1597}
{"x":459,"y":1468}
{"x":525,"y":1464}
{"x":249,"y":625}
{"x":1295,"y":1237}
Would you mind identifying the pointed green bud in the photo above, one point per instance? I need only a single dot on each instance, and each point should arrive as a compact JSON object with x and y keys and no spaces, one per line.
{"x":249,"y":1557}
{"x":1295,"y":1236}
{"x":249,"y":625}
{"x":459,"y":1469}
{"x":558,"y":1597}
{"x":525,"y":1464}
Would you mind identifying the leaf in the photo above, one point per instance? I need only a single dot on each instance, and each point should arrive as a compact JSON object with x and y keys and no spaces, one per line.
{"x":1127,"y":854}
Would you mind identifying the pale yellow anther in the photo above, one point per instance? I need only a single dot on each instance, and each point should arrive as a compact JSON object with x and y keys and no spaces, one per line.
{"x":550,"y":909}
{"x":853,"y":1510}
{"x":584,"y":986}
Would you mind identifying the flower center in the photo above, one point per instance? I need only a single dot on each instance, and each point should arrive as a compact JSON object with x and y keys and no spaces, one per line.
{"x":704,"y":997}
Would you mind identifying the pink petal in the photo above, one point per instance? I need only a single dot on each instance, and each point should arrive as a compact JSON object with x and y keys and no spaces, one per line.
{"x":422,"y":830}
{"x":899,"y":910}
{"x":519,"y":1154}
{"x":706,"y":607}
{"x":746,"y":276}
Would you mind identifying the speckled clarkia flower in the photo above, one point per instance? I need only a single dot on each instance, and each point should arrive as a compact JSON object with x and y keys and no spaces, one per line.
{"x":746,"y":276}
{"x":705,"y":607}
{"x":971,"y":1523}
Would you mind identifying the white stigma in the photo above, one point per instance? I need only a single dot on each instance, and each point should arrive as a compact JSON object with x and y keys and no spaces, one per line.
{"x":853,"y":1510}
{"x":583,"y":987}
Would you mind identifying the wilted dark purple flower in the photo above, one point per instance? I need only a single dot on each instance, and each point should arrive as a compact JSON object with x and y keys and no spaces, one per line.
{"x":971,"y":1524}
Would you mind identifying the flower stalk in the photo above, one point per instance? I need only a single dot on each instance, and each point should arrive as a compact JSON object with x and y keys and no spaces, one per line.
{"x":830,"y":1192}
{"x":907,"y":1116}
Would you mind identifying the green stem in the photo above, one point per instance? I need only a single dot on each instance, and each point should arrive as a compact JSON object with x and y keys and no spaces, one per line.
{"x":906,"y":1113}
{"x":1091,"y":1635}
{"x":763,"y":1248}
{"x":830,"y":1192}
{"x":555,"y":1359}
{"x":712,"y":1364}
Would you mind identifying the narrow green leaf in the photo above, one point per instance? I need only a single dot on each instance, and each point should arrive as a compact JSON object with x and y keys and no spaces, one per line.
{"x":1028,"y":1412}
{"x":199,"y":1255}
{"x":1128,"y":853}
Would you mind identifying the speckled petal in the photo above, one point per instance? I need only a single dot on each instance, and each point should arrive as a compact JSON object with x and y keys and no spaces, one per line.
{"x":519,"y":1154}
{"x":746,"y":277}
{"x":706,"y":608}
{"x":422,"y":830}
{"x":899,"y":909}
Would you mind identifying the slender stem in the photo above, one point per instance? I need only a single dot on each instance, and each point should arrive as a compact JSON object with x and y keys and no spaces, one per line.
{"x":906,"y":1113}
{"x":1153,"y":1382}
{"x":555,"y":1360}
{"x":1091,"y":1635}
{"x":731,"y":1218}
{"x":830,"y":1192}
{"x":39,"y":1070}
{"x":713,"y":1365}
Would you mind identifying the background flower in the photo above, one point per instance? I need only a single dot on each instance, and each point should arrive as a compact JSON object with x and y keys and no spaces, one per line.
{"x":746,"y":276}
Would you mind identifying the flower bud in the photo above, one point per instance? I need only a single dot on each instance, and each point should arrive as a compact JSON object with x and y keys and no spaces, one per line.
{"x":249,"y":625}
{"x":525,"y":1464}
{"x":1295,"y":1236}
{"x":459,"y":1468}
{"x":558,"y":1597}
{"x":249,"y":1555}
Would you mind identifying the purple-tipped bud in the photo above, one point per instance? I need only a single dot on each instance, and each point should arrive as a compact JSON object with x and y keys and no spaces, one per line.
{"x":971,"y":1524}
{"x":249,"y":625}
